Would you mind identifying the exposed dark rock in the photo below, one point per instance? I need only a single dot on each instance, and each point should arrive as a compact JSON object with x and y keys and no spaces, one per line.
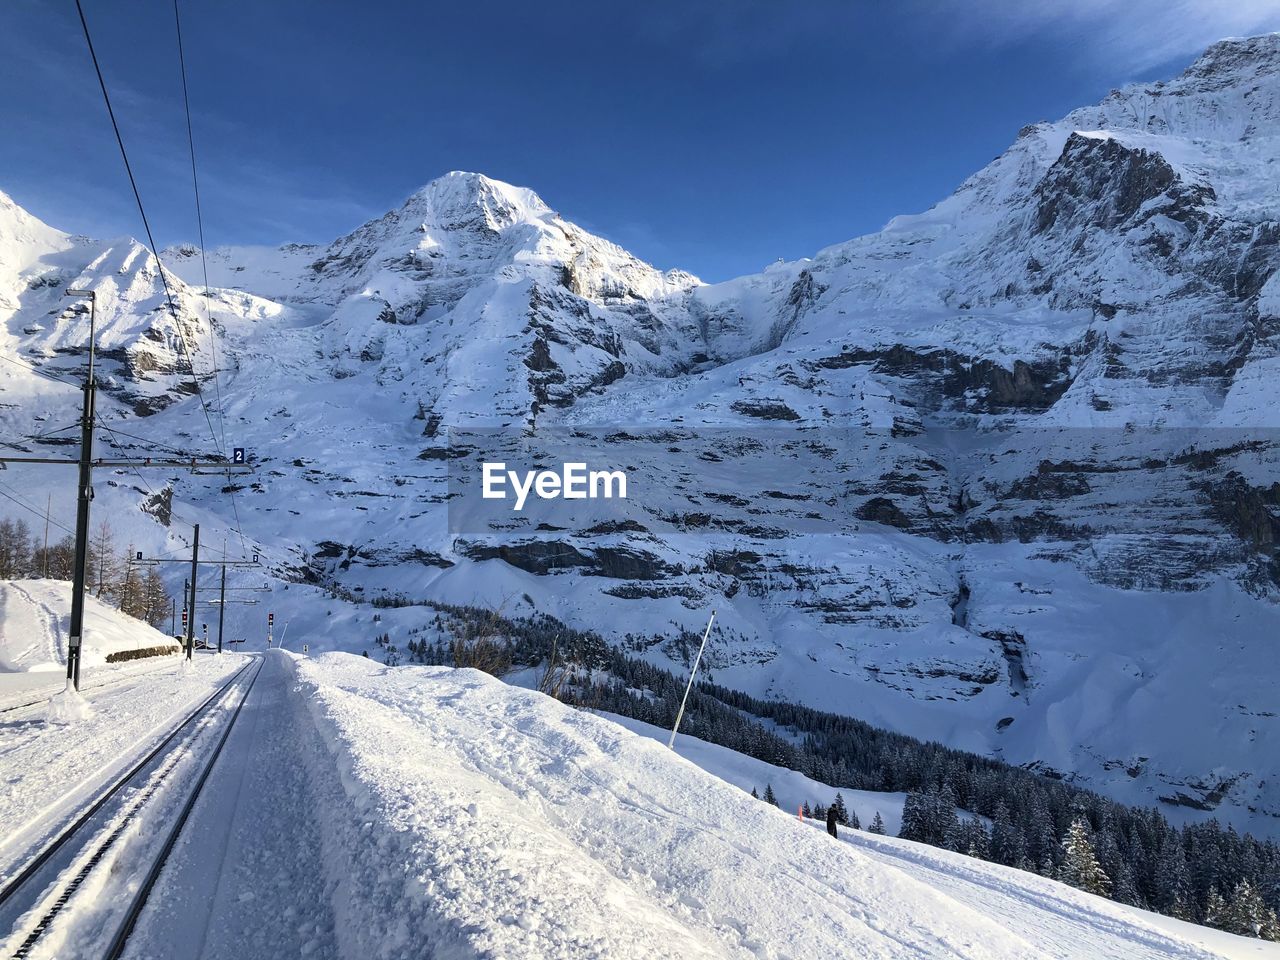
{"x":1101,"y":183}
{"x":1049,"y":486}
{"x":883,"y":510}
{"x":1013,"y":646}
{"x":980,"y":384}
{"x":1251,"y":513}
{"x":764,"y":409}
{"x":545,"y":556}
{"x":160,"y":505}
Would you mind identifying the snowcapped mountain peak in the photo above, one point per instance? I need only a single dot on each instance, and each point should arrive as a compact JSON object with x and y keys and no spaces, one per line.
{"x":24,"y":237}
{"x":1237,"y":57}
{"x":1231,"y":93}
{"x":459,"y":198}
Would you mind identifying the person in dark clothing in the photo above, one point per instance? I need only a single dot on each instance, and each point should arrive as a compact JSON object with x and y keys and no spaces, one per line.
{"x":831,"y":821}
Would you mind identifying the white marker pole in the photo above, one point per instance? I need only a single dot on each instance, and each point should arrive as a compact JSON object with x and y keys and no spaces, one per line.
{"x":694,"y":673}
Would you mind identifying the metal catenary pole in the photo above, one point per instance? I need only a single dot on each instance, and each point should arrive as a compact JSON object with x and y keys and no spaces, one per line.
{"x":693,"y":673}
{"x":191,"y":600}
{"x":222,"y":606}
{"x":84,"y":496}
{"x":47,"y":509}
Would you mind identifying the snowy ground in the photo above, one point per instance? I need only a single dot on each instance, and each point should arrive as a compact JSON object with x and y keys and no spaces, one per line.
{"x":792,"y":788}
{"x":34,"y":625}
{"x":49,"y":770}
{"x":462,"y":815}
{"x":370,"y":812}
{"x":983,"y":885}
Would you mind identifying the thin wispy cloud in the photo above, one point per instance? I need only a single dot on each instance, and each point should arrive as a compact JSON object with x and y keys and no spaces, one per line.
{"x":1138,"y":33}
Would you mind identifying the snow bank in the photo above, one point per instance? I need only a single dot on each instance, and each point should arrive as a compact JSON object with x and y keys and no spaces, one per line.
{"x":470,"y":818}
{"x":35,"y":622}
{"x":34,"y":625}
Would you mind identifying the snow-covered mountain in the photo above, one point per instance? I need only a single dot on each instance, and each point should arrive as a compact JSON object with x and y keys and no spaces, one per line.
{"x":1002,"y":474}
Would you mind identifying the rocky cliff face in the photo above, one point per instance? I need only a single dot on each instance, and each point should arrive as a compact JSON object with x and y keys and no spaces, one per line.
{"x":1003,"y":474}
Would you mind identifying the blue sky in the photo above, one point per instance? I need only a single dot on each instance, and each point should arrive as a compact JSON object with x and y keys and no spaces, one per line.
{"x":713,"y":135}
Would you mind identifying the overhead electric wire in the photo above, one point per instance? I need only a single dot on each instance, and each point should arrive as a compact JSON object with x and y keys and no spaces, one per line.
{"x":22,"y":445}
{"x":115,"y":440}
{"x":146,"y":224}
{"x":39,"y":513}
{"x":55,"y":430}
{"x":204,"y":266}
{"x":204,"y":262}
{"x":137,"y":196}
{"x":116,"y":431}
{"x":38,"y":372}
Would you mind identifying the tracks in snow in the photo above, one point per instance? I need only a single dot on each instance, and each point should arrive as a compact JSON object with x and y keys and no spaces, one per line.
{"x":85,"y":689}
{"x":40,"y":912}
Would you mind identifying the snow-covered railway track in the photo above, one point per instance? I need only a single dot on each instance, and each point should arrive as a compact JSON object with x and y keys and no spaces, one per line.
{"x":32,"y":700}
{"x":52,"y":897}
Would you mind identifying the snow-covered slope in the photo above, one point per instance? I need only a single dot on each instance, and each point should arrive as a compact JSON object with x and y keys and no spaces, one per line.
{"x":34,"y":626}
{"x":590,"y":841}
{"x":1003,"y":474}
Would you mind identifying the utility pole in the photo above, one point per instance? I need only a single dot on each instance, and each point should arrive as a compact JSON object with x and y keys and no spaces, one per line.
{"x":191,"y":603}
{"x":173,"y":612}
{"x":692,"y":673}
{"x":222,"y":606}
{"x":48,"y":507}
{"x":84,"y":496}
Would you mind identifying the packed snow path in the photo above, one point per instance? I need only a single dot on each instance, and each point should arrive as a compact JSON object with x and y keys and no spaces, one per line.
{"x":247,"y":879}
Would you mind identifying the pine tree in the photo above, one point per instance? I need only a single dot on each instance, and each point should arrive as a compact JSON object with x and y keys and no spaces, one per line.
{"x":854,"y":823}
{"x":1039,"y":834}
{"x":807,"y":810}
{"x":1215,"y":910}
{"x":768,"y":795}
{"x":1008,"y":846}
{"x":1172,"y":881}
{"x":971,"y":838}
{"x":1124,"y":889}
{"x":877,"y":824}
{"x":1181,"y":909}
{"x":1271,"y":929}
{"x":1080,"y":866}
{"x":754,"y":794}
{"x":914,"y":820}
{"x":943,"y":821}
{"x":1245,"y":913}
